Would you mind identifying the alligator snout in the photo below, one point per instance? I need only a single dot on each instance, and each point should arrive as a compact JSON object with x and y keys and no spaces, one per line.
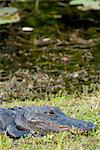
{"x":70,"y":124}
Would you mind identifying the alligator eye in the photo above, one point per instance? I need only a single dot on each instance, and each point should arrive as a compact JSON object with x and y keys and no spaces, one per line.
{"x":51,"y":112}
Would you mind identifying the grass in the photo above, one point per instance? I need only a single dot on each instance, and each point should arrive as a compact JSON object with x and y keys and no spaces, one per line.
{"x":85,"y":107}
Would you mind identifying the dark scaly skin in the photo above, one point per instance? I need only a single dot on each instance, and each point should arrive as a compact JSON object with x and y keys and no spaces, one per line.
{"x":22,"y":121}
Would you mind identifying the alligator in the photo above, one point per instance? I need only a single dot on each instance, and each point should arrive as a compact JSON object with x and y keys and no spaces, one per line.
{"x":23,"y":121}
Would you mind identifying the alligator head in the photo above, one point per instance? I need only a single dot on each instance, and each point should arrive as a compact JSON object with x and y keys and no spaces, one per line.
{"x":46,"y":119}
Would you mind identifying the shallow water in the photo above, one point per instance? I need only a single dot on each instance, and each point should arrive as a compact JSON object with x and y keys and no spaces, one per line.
{"x":51,"y":59}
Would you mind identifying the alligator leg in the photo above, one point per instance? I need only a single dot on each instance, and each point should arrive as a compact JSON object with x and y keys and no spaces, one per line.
{"x":13,"y":132}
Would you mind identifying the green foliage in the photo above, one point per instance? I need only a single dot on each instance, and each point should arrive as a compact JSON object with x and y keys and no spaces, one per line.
{"x":4,"y":142}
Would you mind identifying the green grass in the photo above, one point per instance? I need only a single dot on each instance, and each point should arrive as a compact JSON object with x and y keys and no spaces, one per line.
{"x":84,"y":107}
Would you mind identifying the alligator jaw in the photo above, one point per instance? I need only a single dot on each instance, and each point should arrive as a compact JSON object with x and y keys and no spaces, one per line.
{"x":75,"y":126}
{"x":72,"y":130}
{"x":66,"y":125}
